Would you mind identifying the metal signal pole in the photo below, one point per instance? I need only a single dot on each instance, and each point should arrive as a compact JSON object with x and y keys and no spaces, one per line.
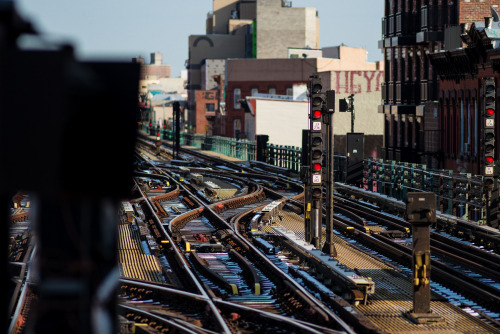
{"x":329,"y":247}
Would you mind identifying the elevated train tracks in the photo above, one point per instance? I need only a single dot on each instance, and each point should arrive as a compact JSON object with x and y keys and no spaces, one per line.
{"x":270,"y":238}
{"x":211,"y":246}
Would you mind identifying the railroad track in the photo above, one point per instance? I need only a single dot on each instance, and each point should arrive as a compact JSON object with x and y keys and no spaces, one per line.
{"x":471,"y":232}
{"x":229,"y":267}
{"x":368,"y":215}
{"x":214,"y":273}
{"x":190,"y":311}
{"x":463,"y":268}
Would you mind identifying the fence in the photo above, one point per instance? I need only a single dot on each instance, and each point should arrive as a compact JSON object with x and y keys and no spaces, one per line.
{"x":460,"y":195}
{"x":236,"y":148}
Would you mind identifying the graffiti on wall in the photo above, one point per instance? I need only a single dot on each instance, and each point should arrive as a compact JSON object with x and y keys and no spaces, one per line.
{"x":355,"y":82}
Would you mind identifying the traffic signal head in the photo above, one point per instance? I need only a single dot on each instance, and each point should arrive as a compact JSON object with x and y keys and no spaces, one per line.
{"x":318,"y":105}
{"x":317,"y":164}
{"x":489,"y":124}
{"x":315,"y":85}
{"x":317,"y":97}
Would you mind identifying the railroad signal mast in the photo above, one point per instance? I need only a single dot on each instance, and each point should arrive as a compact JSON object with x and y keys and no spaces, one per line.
{"x":317,"y":165}
{"x":490,"y":163}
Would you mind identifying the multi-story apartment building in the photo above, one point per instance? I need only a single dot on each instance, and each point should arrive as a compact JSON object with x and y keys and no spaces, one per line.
{"x":463,"y":74}
{"x":411,"y":30}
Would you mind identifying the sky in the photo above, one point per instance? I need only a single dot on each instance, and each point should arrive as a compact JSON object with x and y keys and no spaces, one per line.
{"x":121,"y":30}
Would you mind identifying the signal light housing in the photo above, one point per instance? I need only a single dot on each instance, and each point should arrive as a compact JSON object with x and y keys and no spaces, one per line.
{"x":317,"y":193}
{"x":316,"y":86}
{"x":317,"y":108}
{"x":489,"y":121}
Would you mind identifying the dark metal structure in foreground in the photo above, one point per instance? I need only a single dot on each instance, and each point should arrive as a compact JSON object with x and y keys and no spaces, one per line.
{"x":50,"y":104}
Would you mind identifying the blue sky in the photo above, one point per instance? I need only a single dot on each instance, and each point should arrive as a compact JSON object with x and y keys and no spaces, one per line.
{"x":124,"y":29}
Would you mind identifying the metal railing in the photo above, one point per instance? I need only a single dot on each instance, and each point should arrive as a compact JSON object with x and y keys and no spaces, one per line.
{"x":235,"y":148}
{"x":461,"y":195}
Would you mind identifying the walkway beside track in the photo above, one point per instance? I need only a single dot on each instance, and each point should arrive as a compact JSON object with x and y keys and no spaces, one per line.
{"x":393,"y":289}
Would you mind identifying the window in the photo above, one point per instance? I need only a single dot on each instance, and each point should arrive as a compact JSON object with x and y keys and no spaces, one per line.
{"x":237,"y":128}
{"x":237,"y":97}
{"x":289,"y":91}
{"x":209,"y":107}
{"x":294,"y":55}
{"x":255,"y":91}
{"x":272,"y":91}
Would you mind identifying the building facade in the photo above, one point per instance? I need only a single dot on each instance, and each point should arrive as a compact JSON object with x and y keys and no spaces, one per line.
{"x":246,"y":29}
{"x":461,"y":107}
{"x":155,"y":69}
{"x":207,"y":103}
{"x":268,"y":83}
{"x":411,"y":30}
{"x":275,"y":34}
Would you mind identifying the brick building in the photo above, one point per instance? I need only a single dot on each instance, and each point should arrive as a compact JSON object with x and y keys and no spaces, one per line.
{"x":248,"y":29}
{"x":274,"y":85}
{"x":207,"y":103}
{"x":411,"y":30}
{"x":461,"y":107}
{"x":155,"y":69}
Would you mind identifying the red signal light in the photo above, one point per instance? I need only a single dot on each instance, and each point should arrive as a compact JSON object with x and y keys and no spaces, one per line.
{"x":490,"y":111}
{"x":489,"y":160}
{"x":316,"y":113}
{"x":316,"y":167}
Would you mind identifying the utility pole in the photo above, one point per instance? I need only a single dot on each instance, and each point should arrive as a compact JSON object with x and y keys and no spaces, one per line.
{"x":351,"y":108}
{"x":306,"y":179}
{"x":177,"y":138}
{"x":329,"y":247}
